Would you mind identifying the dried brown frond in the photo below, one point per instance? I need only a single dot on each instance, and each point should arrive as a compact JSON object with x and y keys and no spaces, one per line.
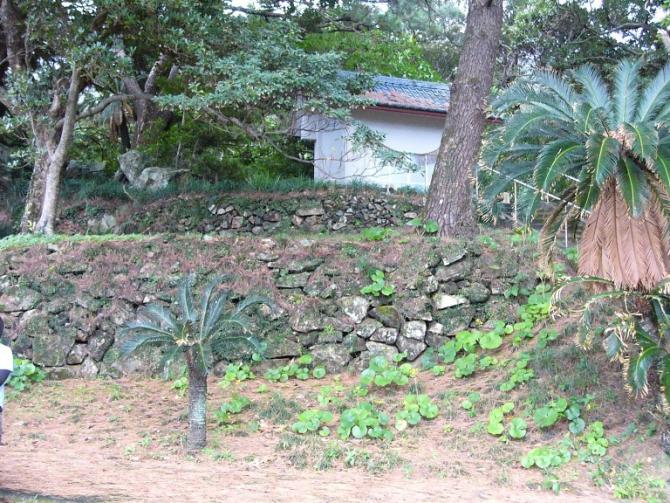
{"x":634,"y":253}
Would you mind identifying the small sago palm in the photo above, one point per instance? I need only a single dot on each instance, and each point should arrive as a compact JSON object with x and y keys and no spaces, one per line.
{"x":614,"y":146}
{"x":198,"y":329}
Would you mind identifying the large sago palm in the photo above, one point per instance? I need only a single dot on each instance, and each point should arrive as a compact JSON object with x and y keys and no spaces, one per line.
{"x":199,"y":329}
{"x":606,"y":151}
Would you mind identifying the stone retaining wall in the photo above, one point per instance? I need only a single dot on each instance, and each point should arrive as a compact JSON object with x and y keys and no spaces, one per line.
{"x":333,"y":210}
{"x":64,"y":304}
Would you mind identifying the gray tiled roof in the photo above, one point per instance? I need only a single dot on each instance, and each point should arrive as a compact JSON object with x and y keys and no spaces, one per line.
{"x":409,"y":94}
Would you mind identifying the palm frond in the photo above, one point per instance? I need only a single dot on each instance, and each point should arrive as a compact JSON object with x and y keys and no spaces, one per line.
{"x":160,"y":315}
{"x":252,"y":300}
{"x":644,"y":142}
{"x":594,"y":90}
{"x":626,"y":93}
{"x":557,"y":85}
{"x":215,"y":313}
{"x":185,"y":299}
{"x":509,"y":171}
{"x":206,"y":298}
{"x":655,"y":95}
{"x":554,"y":159}
{"x":603,"y":154}
{"x":143,"y":338}
{"x":633,"y":185}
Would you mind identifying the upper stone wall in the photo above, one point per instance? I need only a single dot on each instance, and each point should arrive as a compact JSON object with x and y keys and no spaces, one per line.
{"x":227,"y":214}
{"x":64,"y":304}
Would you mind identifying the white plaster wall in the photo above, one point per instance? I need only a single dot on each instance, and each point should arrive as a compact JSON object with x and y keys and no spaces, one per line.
{"x":336,"y":159}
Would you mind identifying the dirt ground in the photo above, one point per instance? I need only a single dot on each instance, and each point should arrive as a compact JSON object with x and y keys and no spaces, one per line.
{"x":123,"y":441}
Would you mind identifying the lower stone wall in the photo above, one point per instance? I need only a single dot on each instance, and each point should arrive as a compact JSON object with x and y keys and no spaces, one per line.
{"x":64,"y":304}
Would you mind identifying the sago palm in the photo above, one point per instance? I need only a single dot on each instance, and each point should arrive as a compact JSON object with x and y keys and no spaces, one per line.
{"x":197,"y":330}
{"x":614,"y":146}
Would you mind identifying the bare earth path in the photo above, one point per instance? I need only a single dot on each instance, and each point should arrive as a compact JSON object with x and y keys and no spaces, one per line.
{"x":121,"y":442}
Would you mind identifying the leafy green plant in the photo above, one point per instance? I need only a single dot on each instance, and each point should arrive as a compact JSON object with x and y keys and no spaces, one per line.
{"x":547,"y":457}
{"x":415,"y":408}
{"x":495,"y":425}
{"x":550,"y":414}
{"x":382,"y":373}
{"x":25,"y":374}
{"x":547,"y":416}
{"x":438,"y":370}
{"x":235,"y":405}
{"x":471,"y":402}
{"x":465,"y":365}
{"x":428,"y":226}
{"x":235,"y":373}
{"x":329,"y":395}
{"x":596,"y":443}
{"x":376,"y":233}
{"x":379,"y":285}
{"x":180,"y":385}
{"x":517,"y":428}
{"x":606,"y":151}
{"x":519,"y":375}
{"x":313,"y":420}
{"x":298,"y":368}
{"x":364,"y":421}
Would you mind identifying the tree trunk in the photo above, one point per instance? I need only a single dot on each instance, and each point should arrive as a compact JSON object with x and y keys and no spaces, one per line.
{"x":197,"y":403}
{"x":45,"y":224}
{"x":35,"y":196}
{"x":450,"y":195}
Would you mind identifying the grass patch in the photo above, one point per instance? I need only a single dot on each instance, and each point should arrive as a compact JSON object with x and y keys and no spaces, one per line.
{"x":279,"y":410}
{"x":104,"y":188}
{"x":28,"y":240}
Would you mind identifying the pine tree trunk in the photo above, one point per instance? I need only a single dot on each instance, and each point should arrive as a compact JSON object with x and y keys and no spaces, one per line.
{"x":197,"y":404}
{"x":450,"y":195}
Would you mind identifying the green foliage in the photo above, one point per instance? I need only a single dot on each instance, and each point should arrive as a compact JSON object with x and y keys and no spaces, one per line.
{"x":25,"y":374}
{"x":296,"y":368}
{"x":376,"y":233}
{"x":495,"y":425}
{"x":560,"y":140}
{"x":379,"y":285}
{"x":634,"y":483}
{"x":364,"y":421}
{"x":235,"y":405}
{"x":465,"y":365}
{"x":382,"y":373}
{"x":180,"y":385}
{"x":519,"y":375}
{"x":376,"y":51}
{"x":329,"y":395}
{"x":596,"y":443}
{"x":211,"y":325}
{"x":517,"y":428}
{"x":235,"y":373}
{"x":470,"y":403}
{"x":422,"y":226}
{"x":415,"y":408}
{"x":555,"y":410}
{"x":547,"y":457}
{"x":313,"y":420}
{"x":549,"y":415}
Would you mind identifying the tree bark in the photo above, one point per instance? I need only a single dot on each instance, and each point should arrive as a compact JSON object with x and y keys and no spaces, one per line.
{"x":197,"y":403}
{"x":54,"y":173}
{"x":450,"y":194}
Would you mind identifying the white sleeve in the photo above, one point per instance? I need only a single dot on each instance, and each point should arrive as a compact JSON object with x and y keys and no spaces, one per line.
{"x":6,"y":359}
